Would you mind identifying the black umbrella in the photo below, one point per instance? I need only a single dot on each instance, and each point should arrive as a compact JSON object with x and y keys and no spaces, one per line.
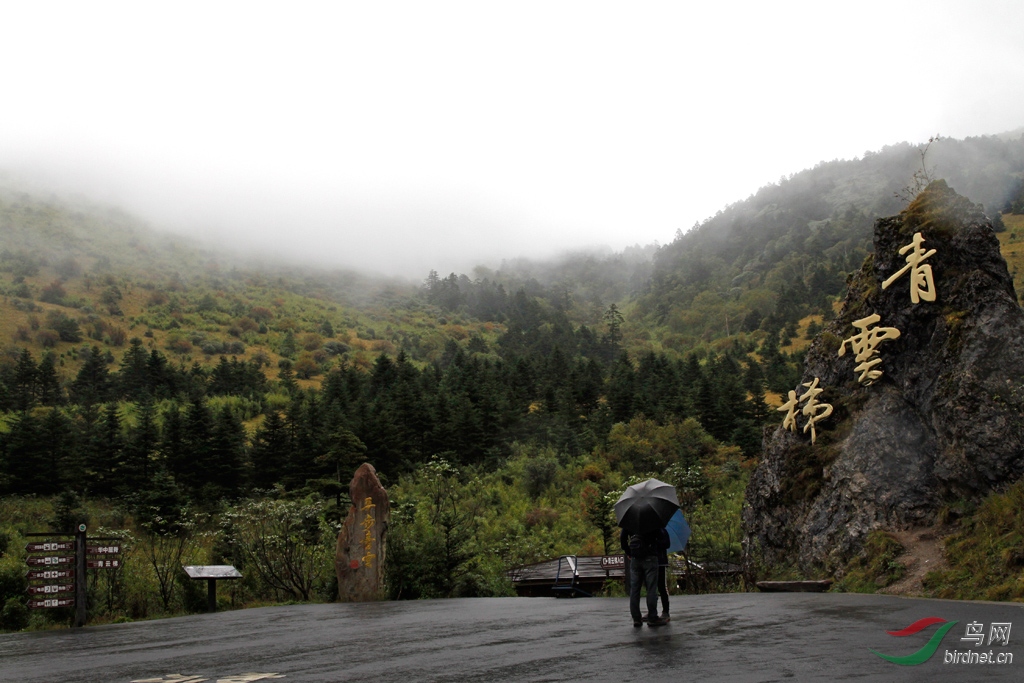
{"x":646,"y":506}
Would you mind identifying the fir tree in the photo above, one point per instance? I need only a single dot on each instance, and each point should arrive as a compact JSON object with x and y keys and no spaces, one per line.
{"x":226,"y":453}
{"x":50,"y":391}
{"x":26,"y":382}
{"x":270,"y":452}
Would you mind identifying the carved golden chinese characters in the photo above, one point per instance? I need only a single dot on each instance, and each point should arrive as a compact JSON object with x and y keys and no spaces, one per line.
{"x":922,"y":286}
{"x":789,"y":422}
{"x":368,"y":523}
{"x":865,"y":342}
{"x":813,"y":410}
{"x":865,"y":346}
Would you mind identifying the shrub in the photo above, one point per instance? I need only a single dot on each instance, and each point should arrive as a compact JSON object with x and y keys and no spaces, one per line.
{"x":285,"y":543}
{"x":14,"y":615}
{"x":875,"y":567}
{"x":538,"y":474}
{"x":47,"y":338}
{"x":179,"y":345}
{"x":306,"y":367}
{"x":67,"y":328}
{"x":156,"y":298}
{"x":311,"y":341}
{"x":53,"y":293}
{"x":336,"y":348}
{"x":68,"y":268}
{"x":541,"y":516}
{"x":117,"y":336}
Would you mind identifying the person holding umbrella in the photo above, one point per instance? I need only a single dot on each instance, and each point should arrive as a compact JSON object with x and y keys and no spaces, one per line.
{"x":678,"y":534}
{"x":642,"y":511}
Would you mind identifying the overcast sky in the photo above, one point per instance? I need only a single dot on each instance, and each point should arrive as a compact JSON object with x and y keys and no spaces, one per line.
{"x":404,"y":136}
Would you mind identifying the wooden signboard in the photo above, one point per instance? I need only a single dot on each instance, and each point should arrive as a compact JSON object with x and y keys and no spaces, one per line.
{"x":102,"y":550}
{"x":50,"y":603}
{"x":102,"y":564}
{"x":52,"y":589}
{"x":51,"y":561}
{"x":50,"y":547}
{"x":613,"y":562}
{"x":49,"y":574}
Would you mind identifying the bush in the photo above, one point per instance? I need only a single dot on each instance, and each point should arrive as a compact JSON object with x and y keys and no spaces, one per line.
{"x":284,"y":543}
{"x":538,"y":474}
{"x":14,"y":615}
{"x":336,"y":348}
{"x":53,"y":293}
{"x":67,"y":328}
{"x":875,"y":567}
{"x":47,"y":338}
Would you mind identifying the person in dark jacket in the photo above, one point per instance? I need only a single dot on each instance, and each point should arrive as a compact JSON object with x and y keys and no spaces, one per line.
{"x":643,"y":551}
{"x":663,"y":582}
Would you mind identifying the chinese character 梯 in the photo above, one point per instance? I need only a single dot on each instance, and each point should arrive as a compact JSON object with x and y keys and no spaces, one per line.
{"x":865,"y":346}
{"x":921,"y":284}
{"x":812,"y":409}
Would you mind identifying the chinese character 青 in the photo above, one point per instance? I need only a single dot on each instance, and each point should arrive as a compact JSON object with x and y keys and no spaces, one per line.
{"x":922,"y":286}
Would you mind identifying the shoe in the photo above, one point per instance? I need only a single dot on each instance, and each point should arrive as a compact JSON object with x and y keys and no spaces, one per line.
{"x":637,"y":624}
{"x":651,"y":623}
{"x":643,"y":618}
{"x":665,"y":617}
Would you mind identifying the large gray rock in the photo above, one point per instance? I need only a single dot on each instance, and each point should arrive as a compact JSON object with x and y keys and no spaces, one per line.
{"x":945,"y":420}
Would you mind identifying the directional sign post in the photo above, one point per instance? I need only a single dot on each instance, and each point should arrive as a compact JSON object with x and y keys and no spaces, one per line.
{"x":57,"y":573}
{"x":80,"y":585}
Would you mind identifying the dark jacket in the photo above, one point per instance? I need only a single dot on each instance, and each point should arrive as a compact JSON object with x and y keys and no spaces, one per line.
{"x":653,"y":543}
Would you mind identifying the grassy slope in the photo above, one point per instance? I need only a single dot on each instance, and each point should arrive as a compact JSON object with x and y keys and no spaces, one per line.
{"x":1011,"y":243}
{"x":163,"y":283}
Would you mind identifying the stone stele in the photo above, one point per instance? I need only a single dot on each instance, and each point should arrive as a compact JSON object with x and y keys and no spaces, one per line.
{"x":359,"y":558}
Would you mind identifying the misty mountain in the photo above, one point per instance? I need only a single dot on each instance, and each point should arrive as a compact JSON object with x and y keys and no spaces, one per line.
{"x":764,"y":263}
{"x":788,"y":250}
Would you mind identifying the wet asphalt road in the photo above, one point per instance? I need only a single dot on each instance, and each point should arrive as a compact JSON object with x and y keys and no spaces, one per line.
{"x":727,"y":637}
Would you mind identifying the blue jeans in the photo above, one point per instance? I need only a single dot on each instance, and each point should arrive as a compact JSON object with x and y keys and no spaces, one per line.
{"x":643,"y":573}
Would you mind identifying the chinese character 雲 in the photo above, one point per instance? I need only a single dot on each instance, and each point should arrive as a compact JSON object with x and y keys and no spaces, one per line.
{"x":865,"y":346}
{"x":921,"y":284}
{"x":975,"y":632}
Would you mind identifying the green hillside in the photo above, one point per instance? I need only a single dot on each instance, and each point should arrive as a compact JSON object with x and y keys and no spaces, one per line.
{"x":152,"y":385}
{"x":118,"y":278}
